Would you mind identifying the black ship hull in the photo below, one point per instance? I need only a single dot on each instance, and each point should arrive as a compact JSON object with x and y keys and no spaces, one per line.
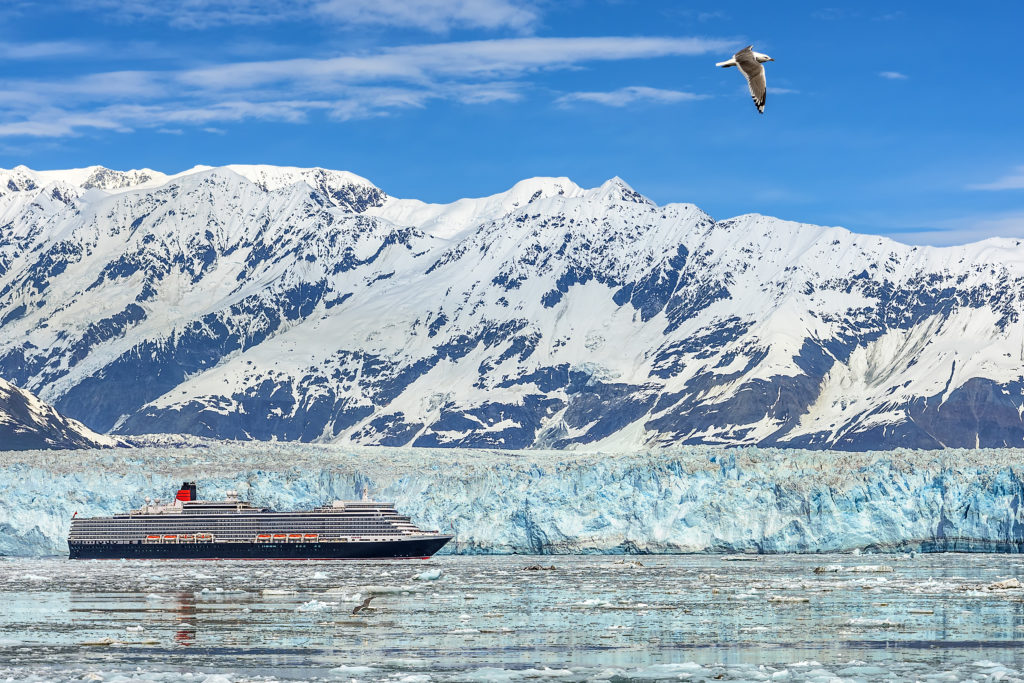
{"x":419,"y":548}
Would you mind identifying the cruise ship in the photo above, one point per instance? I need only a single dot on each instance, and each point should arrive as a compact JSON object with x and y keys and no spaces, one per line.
{"x":187,"y":528}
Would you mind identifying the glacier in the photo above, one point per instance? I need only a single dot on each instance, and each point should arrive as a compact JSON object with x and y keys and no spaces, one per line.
{"x":692,"y":499}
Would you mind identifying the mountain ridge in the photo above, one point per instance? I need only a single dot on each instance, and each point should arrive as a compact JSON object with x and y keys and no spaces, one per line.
{"x":26,"y":423}
{"x":309,"y":304}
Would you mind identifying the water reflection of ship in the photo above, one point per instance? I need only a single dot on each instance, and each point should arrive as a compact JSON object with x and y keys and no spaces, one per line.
{"x":185,"y":613}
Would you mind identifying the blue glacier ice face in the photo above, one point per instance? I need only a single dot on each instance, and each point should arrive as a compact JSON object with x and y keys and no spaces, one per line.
{"x":699,"y":499}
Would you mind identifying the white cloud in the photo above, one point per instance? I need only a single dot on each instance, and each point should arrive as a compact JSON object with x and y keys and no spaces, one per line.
{"x":965,"y":230}
{"x":430,"y":15}
{"x":344,"y":87}
{"x":893,"y":75}
{"x":473,"y":59}
{"x":1011,"y":181}
{"x":43,"y":49}
{"x":629,"y":95}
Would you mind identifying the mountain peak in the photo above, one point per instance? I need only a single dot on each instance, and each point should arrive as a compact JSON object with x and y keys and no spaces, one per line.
{"x":617,"y":189}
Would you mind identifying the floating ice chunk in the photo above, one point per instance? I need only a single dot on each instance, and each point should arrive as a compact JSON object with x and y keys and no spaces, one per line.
{"x":741,"y":558}
{"x":102,"y":642}
{"x":1008,"y":584}
{"x":788,"y":598}
{"x":319,"y":576}
{"x":857,"y":569}
{"x":315,"y":605}
{"x":385,"y":590}
{"x":154,"y":596}
{"x":871,"y":569}
{"x":353,"y":670}
{"x":134,"y":629}
{"x":35,"y":577}
{"x":270,"y":592}
{"x":429,"y":575}
{"x":872,"y":623}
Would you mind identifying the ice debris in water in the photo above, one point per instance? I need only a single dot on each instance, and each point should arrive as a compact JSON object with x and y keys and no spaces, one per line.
{"x":1008,"y":584}
{"x":872,"y":623}
{"x":315,"y":605}
{"x":856,"y":569}
{"x":429,"y":575}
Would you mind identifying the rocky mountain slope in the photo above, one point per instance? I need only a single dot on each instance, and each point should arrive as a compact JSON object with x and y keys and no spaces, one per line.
{"x":306,"y":304}
{"x":26,"y":423}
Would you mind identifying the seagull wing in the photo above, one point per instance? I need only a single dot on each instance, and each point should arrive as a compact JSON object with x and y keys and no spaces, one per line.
{"x":754,"y":71}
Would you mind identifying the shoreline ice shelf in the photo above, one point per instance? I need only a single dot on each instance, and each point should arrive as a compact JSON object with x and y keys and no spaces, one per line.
{"x":189,"y":528}
{"x":696,"y":499}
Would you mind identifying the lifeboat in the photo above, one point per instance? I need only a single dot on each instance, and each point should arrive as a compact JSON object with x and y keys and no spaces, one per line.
{"x":262,"y":537}
{"x":186,"y":537}
{"x":294,"y":537}
{"x":170,"y":537}
{"x":204,"y":537}
{"x":153,"y":538}
{"x":280,"y":537}
{"x":310,"y":537}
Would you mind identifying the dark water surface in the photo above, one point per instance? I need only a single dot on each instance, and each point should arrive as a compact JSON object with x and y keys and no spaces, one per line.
{"x":689,"y":617}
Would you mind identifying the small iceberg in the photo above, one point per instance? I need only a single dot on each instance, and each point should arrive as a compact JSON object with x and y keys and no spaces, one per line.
{"x":316,"y":606}
{"x":429,"y":575}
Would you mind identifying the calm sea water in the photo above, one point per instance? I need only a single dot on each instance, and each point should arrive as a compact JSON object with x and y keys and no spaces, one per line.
{"x":929,"y":617}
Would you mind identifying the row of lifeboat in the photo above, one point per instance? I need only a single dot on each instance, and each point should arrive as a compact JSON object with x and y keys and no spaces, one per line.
{"x":286,"y":538}
{"x":179,"y":538}
{"x":208,"y":538}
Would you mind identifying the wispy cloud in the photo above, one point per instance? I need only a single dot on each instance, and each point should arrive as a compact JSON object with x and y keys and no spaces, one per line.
{"x":429,"y":15}
{"x":630,"y":95}
{"x":834,"y":14}
{"x":893,"y":75}
{"x":43,"y":50}
{"x":964,"y":230}
{"x":1014,"y":180}
{"x":344,"y":87}
{"x":432,"y":15}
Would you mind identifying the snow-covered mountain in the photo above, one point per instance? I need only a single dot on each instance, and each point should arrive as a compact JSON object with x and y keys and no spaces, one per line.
{"x":26,"y":423}
{"x":306,"y":304}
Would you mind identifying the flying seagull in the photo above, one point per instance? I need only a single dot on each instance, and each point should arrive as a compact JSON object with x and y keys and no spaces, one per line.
{"x":750,"y":63}
{"x":366,"y":603}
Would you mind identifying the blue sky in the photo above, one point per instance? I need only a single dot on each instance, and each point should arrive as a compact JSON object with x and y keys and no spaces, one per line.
{"x":901,"y":120}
